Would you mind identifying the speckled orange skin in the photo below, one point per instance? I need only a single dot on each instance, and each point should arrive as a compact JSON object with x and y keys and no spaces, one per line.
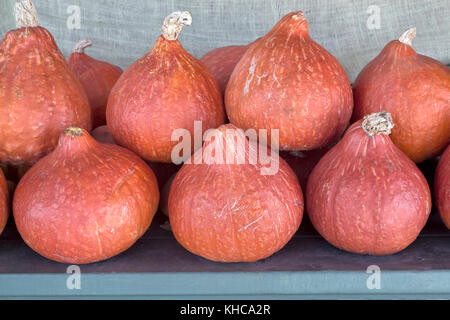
{"x":221,"y":62}
{"x":167,"y":89}
{"x":86,"y":201}
{"x":287,"y":81}
{"x":366,"y":196}
{"x":415,"y":89}
{"x":232,"y":213}
{"x":442,"y":187}
{"x":39,"y":96}
{"x":97,"y":78}
{"x":4,"y":202}
{"x":163,"y":171}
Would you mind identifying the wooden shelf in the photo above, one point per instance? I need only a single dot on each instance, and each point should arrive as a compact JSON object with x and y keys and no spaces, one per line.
{"x":308,"y":267}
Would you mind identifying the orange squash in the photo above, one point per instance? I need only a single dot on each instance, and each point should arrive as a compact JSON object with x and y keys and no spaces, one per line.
{"x":39,"y":95}
{"x":97,"y":77}
{"x":85,"y":201}
{"x":165,"y":90}
{"x":442,"y":187}
{"x":286,"y":81}
{"x":365,"y":195}
{"x":4,"y":201}
{"x":228,"y":210}
{"x":415,"y":89}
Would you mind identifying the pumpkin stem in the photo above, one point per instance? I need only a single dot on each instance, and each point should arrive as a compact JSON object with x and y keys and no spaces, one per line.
{"x":26,"y":15}
{"x":377,"y":123}
{"x":73,"y":132}
{"x":173,"y":24}
{"x":407,"y":36}
{"x":81,"y":45}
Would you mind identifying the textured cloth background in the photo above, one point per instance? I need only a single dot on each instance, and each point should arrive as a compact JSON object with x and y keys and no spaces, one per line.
{"x":123,"y":31}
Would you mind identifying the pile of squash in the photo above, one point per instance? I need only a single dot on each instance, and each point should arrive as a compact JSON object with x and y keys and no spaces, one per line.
{"x":238,"y":142}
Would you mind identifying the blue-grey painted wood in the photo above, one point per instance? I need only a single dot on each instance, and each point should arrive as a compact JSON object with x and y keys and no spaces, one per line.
{"x":211,"y":285}
{"x":246,"y":297}
{"x":156,"y":267}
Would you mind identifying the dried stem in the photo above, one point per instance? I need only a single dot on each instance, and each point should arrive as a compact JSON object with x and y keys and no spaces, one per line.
{"x":377,"y":123}
{"x":73,"y":132}
{"x":407,"y":36}
{"x":26,"y":15}
{"x":81,"y":45}
{"x":173,"y":24}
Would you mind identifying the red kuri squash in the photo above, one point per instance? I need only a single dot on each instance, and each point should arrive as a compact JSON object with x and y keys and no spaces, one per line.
{"x":365,"y":195}
{"x":415,"y":89}
{"x":97,"y":77}
{"x":165,"y":90}
{"x":221,"y":62}
{"x":85,"y":201}
{"x":39,"y":94}
{"x":288,"y":82}
{"x":162,"y":170}
{"x":224,"y":208}
{"x":4,"y":201}
{"x":442,"y":187}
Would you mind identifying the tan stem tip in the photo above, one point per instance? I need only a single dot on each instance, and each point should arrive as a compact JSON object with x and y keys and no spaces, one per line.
{"x":26,"y":14}
{"x":81,"y":45}
{"x":173,"y":24}
{"x":73,"y":132}
{"x":377,"y":123}
{"x":299,"y":16}
{"x":407,"y":36}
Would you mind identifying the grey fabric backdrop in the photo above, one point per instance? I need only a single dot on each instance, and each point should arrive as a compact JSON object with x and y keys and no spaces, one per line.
{"x":123,"y":31}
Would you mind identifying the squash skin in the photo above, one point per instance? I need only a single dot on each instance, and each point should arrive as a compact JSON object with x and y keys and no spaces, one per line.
{"x":221,"y":62}
{"x":232,"y":213}
{"x":287,"y":81}
{"x":366,"y":196}
{"x":4,"y":201}
{"x":167,"y":89}
{"x":85,"y":202}
{"x":415,"y":89}
{"x":97,"y":78}
{"x":162,"y":170}
{"x":39,"y":96}
{"x":442,"y":187}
